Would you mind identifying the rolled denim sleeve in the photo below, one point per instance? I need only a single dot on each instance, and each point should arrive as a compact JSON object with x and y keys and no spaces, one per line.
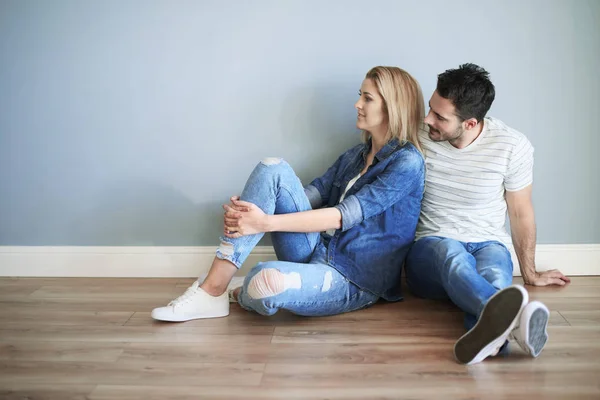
{"x":351,"y":212}
{"x":314,"y":197}
{"x":396,"y":181}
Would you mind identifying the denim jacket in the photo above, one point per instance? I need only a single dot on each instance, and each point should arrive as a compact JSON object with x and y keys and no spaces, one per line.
{"x":379,"y":214}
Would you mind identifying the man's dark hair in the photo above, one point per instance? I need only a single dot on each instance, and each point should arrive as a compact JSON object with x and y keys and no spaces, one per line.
{"x":470,"y":90}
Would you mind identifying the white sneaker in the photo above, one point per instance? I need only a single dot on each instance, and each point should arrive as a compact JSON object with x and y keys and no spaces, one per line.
{"x":195,"y":303}
{"x":531,"y":333}
{"x":236,"y":282}
{"x":496,"y":322}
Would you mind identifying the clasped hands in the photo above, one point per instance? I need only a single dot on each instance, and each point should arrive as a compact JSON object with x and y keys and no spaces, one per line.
{"x":242,"y":218}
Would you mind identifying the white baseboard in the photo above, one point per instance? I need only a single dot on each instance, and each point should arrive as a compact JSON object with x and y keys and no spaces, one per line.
{"x":176,"y":262}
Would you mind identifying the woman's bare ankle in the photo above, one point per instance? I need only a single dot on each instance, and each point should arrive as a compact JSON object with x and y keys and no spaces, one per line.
{"x":219,"y":276}
{"x":213,"y":290}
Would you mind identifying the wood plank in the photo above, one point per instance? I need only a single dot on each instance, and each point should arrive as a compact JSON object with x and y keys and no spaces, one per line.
{"x":557,"y":319}
{"x":569,"y":290}
{"x":61,"y":351}
{"x":102,"y":292}
{"x":287,"y":353}
{"x":561,"y":304}
{"x":85,"y":304}
{"x":574,"y":334}
{"x":582,"y":318}
{"x":75,"y":282}
{"x":15,"y":291}
{"x":143,"y":373}
{"x":557,"y":352}
{"x":440,"y":374}
{"x":16,"y":391}
{"x":375,"y":315}
{"x":31,"y":317}
{"x":168,"y":333}
{"x":301,"y":353}
{"x":416,"y":390}
{"x":360,"y":334}
{"x":226,"y":352}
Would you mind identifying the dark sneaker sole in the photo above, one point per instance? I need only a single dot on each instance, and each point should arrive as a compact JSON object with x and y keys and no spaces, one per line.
{"x":537,"y":331}
{"x":496,"y":320}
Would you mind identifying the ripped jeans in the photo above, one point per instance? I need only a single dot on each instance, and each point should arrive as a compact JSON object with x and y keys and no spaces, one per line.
{"x":466,"y":273}
{"x":300,"y":281}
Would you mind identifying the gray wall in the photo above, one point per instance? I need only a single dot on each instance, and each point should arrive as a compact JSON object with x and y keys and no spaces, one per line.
{"x":130,"y":122}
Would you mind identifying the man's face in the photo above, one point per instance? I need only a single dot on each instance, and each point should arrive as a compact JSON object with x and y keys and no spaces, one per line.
{"x":442,"y":120}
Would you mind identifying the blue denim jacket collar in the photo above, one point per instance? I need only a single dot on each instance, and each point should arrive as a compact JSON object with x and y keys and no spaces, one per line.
{"x":385,"y":151}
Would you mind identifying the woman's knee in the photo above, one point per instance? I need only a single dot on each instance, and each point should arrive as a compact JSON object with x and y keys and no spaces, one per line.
{"x":271,"y":161}
{"x":267,"y":280}
{"x":269,"y":167}
{"x":274,"y":164}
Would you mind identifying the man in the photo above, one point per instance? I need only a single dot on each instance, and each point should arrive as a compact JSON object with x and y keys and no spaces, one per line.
{"x":477,"y":168}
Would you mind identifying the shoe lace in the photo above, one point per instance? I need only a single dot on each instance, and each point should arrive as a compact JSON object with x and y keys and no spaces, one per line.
{"x":186,"y":296}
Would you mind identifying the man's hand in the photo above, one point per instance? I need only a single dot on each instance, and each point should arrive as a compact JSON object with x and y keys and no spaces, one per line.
{"x":547,"y":278}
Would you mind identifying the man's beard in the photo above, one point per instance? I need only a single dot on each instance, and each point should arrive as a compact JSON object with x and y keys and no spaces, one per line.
{"x":445,"y":137}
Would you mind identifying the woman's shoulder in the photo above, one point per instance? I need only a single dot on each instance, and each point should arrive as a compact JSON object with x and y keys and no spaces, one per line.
{"x":408,"y":153}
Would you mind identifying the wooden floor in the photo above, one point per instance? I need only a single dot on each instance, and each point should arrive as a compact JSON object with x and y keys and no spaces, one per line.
{"x":94,"y":339}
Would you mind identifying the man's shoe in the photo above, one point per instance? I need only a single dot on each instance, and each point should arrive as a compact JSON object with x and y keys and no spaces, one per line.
{"x":497,"y":320}
{"x":531,"y":333}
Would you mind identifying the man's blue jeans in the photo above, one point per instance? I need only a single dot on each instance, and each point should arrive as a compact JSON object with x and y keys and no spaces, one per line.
{"x":466,"y":273}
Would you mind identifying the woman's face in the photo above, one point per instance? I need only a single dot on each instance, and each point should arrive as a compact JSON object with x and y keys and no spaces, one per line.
{"x":372,"y":116}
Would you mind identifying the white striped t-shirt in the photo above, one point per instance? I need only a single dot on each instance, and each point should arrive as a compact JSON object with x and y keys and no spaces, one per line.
{"x":464,"y":188}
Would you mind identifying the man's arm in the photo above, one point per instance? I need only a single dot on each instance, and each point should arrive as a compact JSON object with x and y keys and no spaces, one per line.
{"x":522,"y":223}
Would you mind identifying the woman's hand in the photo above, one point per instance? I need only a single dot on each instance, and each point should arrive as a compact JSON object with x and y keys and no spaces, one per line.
{"x":243,"y":218}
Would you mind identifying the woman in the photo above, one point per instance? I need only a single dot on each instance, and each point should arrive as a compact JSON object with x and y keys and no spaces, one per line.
{"x":366,"y":207}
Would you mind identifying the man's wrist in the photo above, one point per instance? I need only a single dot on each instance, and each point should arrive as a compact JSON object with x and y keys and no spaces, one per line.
{"x":529,"y":277}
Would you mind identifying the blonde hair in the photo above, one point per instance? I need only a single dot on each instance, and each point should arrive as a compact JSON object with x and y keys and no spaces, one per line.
{"x":403,"y":103}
